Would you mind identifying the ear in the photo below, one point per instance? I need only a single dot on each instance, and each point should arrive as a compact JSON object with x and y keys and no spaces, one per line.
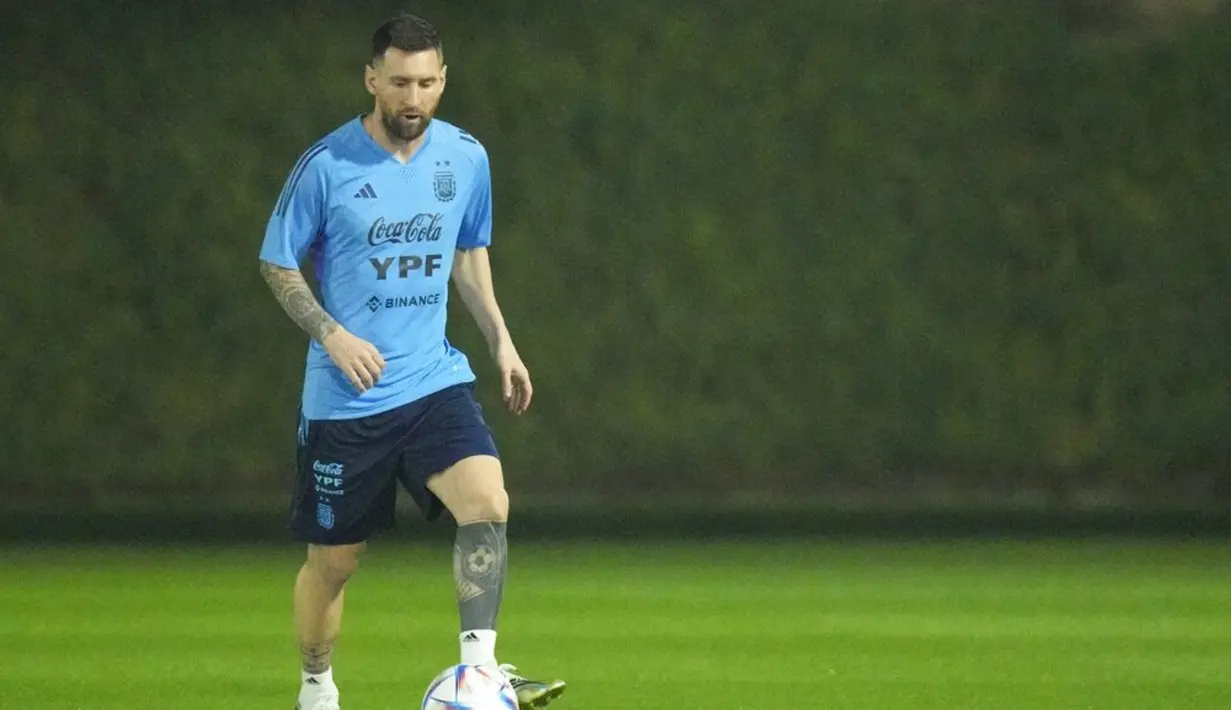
{"x":369,"y":78}
{"x":444,"y":75}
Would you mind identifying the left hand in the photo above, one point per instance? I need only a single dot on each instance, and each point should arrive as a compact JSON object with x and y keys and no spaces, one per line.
{"x":514,"y":378}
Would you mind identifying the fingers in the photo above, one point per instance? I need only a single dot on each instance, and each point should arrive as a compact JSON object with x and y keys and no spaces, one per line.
{"x":527,"y":393}
{"x":365,"y":368}
{"x":377,"y":358}
{"x":522,"y":391}
{"x":374,"y":363}
{"x":361,"y":377}
{"x":506,"y":387}
{"x":353,"y":376}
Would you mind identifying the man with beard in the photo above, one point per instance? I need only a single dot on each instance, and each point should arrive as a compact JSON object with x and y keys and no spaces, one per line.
{"x":389,"y":206}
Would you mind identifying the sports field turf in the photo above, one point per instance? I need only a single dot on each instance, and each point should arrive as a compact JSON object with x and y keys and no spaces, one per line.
{"x":903,"y":626}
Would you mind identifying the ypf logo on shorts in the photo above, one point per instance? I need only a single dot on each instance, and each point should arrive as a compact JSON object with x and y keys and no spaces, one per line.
{"x":328,"y":477}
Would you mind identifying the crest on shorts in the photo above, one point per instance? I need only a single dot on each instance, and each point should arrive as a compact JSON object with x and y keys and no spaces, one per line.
{"x":324,"y":515}
{"x":444,"y":186}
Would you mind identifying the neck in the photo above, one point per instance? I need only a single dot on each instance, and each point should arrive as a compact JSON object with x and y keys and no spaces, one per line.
{"x":402,"y":150}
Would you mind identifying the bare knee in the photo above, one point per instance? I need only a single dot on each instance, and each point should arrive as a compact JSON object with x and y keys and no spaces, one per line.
{"x":334,"y":564}
{"x":489,"y":504}
{"x":473,"y":490}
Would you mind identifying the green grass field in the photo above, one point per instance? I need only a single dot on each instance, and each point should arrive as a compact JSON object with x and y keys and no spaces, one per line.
{"x":996,"y":625}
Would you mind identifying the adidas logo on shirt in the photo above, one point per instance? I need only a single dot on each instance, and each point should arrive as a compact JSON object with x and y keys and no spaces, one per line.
{"x":366,"y":192}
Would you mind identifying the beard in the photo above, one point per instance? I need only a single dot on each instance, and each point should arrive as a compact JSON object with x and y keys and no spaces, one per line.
{"x":404,"y":129}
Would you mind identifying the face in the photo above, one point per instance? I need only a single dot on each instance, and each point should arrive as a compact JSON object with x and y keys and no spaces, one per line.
{"x":407,"y":87}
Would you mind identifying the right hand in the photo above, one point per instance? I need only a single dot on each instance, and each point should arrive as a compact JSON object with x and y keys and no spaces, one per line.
{"x":358,"y":359}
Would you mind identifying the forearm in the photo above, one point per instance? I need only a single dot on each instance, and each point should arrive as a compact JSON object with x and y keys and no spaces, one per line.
{"x":292,"y":292}
{"x":474,"y":284}
{"x":487,"y":316}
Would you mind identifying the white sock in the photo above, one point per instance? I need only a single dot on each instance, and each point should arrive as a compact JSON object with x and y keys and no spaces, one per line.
{"x":478,"y":647}
{"x":317,"y":681}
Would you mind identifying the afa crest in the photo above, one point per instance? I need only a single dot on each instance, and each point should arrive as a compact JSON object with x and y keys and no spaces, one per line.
{"x":324,"y":515}
{"x":444,"y":186}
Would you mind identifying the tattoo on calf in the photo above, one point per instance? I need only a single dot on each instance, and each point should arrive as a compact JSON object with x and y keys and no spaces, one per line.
{"x":316,"y":656}
{"x":297,"y":300}
{"x":480,"y":558}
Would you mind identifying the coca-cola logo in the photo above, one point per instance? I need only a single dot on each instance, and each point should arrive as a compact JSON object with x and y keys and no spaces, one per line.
{"x":329,"y":469}
{"x":423,"y":227}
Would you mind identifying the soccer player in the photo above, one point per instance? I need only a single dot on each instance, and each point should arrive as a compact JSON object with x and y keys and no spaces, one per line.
{"x":390,"y":206}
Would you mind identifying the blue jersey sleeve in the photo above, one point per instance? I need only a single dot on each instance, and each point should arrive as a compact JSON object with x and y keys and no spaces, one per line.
{"x":476,"y":229}
{"x":299,"y":214}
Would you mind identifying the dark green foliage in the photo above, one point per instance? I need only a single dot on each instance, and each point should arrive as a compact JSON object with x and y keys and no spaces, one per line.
{"x":761,"y":248}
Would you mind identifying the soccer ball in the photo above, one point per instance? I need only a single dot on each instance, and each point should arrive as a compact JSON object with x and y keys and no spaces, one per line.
{"x":465,"y":687}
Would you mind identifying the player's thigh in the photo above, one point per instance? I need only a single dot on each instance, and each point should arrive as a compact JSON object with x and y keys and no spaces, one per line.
{"x":452,"y":461}
{"x":473,"y":489}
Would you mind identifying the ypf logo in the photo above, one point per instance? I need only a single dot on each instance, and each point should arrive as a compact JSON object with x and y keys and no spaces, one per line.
{"x":406,"y":264}
{"x":328,"y":477}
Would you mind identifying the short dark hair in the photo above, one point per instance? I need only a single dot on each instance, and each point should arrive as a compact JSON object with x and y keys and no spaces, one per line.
{"x":409,"y":33}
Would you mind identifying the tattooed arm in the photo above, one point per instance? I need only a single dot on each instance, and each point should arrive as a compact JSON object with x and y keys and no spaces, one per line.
{"x":355,"y":357}
{"x":297,"y":300}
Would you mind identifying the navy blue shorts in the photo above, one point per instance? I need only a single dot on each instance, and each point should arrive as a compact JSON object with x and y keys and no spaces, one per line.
{"x":349,"y":469}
